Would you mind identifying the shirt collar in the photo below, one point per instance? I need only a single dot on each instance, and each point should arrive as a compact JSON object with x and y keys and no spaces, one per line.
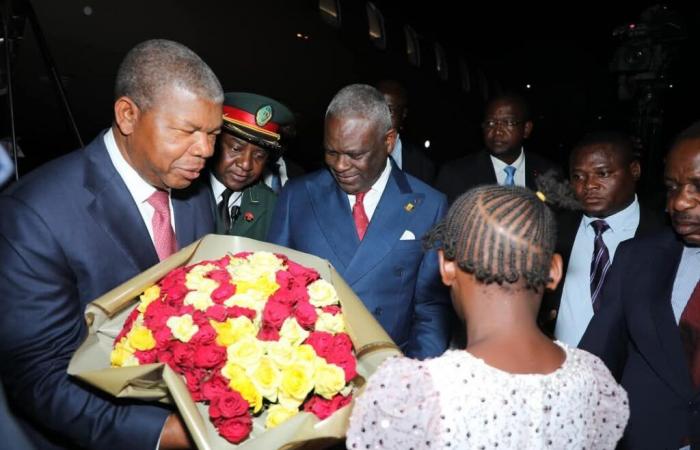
{"x":500,"y":165}
{"x":621,"y":220}
{"x":139,"y":188}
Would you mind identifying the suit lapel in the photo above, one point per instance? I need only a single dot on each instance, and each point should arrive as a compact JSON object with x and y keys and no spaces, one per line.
{"x":332,"y":211}
{"x":114,"y":209}
{"x":184,"y":218}
{"x":390,"y":219}
{"x":674,"y":367}
{"x":485,"y":172}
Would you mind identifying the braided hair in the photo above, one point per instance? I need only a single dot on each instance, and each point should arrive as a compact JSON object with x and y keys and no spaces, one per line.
{"x":503,"y":234}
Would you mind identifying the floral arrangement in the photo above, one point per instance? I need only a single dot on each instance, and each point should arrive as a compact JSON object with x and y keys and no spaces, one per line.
{"x":253,"y":334}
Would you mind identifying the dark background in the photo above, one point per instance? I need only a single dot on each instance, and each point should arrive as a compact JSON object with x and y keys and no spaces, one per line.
{"x":582,"y":77}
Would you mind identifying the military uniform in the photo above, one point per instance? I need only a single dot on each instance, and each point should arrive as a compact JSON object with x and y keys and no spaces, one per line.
{"x":254,"y":214}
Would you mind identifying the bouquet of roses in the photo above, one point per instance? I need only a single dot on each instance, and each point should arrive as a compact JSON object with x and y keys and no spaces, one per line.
{"x":251,"y":333}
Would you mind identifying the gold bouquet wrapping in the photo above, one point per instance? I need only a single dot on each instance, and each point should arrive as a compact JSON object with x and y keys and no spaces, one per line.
{"x":157,"y":382}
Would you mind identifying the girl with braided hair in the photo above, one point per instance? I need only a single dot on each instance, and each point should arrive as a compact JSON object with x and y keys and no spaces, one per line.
{"x":512,"y":387}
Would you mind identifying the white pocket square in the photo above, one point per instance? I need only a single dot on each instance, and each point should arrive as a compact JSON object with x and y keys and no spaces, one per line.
{"x":407,"y":236}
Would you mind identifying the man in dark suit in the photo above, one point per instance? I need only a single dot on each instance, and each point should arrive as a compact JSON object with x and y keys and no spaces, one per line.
{"x":250,"y":140}
{"x":367,"y":217}
{"x":507,"y":124}
{"x":648,"y":326}
{"x":408,"y":156}
{"x":86,"y":222}
{"x":603,"y":174}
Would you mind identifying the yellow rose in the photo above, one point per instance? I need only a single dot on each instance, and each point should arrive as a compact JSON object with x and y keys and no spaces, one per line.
{"x":322,"y":293}
{"x":233,"y":371}
{"x":278,"y":414}
{"x":182,"y":327}
{"x":246,"y":352}
{"x":330,"y":323}
{"x":123,"y":354}
{"x":243,"y":271}
{"x":263,"y":285}
{"x":197,"y":282}
{"x":281,"y":352}
{"x":200,"y":300}
{"x":292,"y":332}
{"x":306,"y":354}
{"x":267,"y":377}
{"x":148,"y":296}
{"x":248,"y":391}
{"x":329,"y":380}
{"x":233,"y":330}
{"x":141,"y":338}
{"x":297,"y":381}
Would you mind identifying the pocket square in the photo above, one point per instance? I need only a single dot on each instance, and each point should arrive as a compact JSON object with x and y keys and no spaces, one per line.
{"x":407,"y":236}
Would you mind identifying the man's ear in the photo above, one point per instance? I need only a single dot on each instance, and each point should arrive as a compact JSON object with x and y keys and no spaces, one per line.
{"x":636,"y":170}
{"x":448,"y":269}
{"x":528,"y":129}
{"x":556,"y":268}
{"x":390,"y":140}
{"x":126,"y":114}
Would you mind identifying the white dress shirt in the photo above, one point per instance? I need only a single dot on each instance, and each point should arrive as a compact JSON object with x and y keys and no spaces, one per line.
{"x":374,"y":194}
{"x":576,"y":308}
{"x":139,"y":188}
{"x":267,"y":176}
{"x":519,"y":164}
{"x":397,"y":152}
{"x":218,"y":189}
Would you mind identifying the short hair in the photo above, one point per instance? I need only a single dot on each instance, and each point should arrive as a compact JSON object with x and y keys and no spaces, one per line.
{"x":692,"y":132}
{"x":503,"y":234}
{"x":361,"y":100}
{"x":156,"y":64}
{"x":621,"y":144}
{"x":514,"y":99}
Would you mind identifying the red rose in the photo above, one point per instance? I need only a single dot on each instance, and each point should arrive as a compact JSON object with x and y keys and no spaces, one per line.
{"x":166,"y":356}
{"x":183,"y":354}
{"x":216,"y":312}
{"x":146,"y":357}
{"x":214,"y":387}
{"x":223,"y":292}
{"x":237,"y":311}
{"x":227,"y":405}
{"x":235,"y":429}
{"x":162,"y":336}
{"x":127,"y":325}
{"x":220,"y":275}
{"x":205,"y":335}
{"x":175,"y":277}
{"x":268,"y":333}
{"x":209,"y":356}
{"x":342,"y":343}
{"x":175,"y":295}
{"x":242,"y":255}
{"x":194,"y":381}
{"x":331,"y":309}
{"x":305,"y":273}
{"x":321,"y":341}
{"x":345,"y":361}
{"x":323,"y":408}
{"x":157,"y":314}
{"x":306,"y":315}
{"x":275,"y":314}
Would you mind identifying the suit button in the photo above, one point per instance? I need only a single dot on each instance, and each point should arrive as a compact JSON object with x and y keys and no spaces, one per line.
{"x":377,"y":311}
{"x":552,"y":314}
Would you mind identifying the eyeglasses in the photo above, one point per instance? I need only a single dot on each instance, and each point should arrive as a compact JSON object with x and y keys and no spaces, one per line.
{"x":505,"y":123}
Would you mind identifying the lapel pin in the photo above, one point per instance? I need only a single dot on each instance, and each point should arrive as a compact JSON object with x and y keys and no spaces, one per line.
{"x":248,"y":216}
{"x":409,"y":206}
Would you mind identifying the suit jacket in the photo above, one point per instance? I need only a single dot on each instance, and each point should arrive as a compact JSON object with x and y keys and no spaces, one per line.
{"x":636,"y":335}
{"x":457,"y":177}
{"x":568,"y":223}
{"x":396,"y":280}
{"x":415,"y":162}
{"x":257,"y":205}
{"x":70,"y":231}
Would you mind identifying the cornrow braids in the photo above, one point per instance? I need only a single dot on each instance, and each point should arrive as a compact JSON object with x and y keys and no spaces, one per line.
{"x":502,"y":234}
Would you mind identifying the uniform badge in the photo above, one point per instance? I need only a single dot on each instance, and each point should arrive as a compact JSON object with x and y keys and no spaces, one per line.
{"x":248,"y":216}
{"x":409,"y":206}
{"x":263,"y":116}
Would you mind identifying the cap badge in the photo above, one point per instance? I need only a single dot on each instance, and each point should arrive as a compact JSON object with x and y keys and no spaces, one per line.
{"x":263,"y":116}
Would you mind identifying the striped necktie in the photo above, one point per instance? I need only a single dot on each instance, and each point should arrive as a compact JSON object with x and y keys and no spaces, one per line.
{"x":600,"y":262}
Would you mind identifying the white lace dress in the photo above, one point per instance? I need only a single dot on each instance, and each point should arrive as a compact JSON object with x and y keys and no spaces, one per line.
{"x":458,"y":401}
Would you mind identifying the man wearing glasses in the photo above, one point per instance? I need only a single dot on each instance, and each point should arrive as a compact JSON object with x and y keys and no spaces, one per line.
{"x":506,"y":125}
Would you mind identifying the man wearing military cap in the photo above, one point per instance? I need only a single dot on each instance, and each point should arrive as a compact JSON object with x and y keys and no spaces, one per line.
{"x":250,"y":140}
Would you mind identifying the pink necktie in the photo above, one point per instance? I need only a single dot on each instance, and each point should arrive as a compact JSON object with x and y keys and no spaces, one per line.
{"x":163,"y":234}
{"x":359,"y":215}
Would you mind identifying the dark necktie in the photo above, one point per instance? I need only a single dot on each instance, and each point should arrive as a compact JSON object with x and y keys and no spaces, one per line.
{"x":689,"y":325}
{"x":227,"y":215}
{"x":600,"y":262}
{"x":359,"y":215}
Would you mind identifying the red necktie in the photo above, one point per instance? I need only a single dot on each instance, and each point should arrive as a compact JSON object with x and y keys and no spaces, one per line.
{"x":689,"y":325}
{"x":163,"y":234}
{"x":359,"y":215}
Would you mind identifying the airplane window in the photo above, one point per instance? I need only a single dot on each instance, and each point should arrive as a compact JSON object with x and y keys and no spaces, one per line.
{"x":330,"y":11}
{"x":441,"y":62}
{"x":464,"y":73}
{"x":412,"y":46}
{"x":376,"y":26}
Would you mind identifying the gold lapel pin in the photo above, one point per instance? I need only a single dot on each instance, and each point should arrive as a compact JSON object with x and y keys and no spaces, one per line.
{"x":409,"y":207}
